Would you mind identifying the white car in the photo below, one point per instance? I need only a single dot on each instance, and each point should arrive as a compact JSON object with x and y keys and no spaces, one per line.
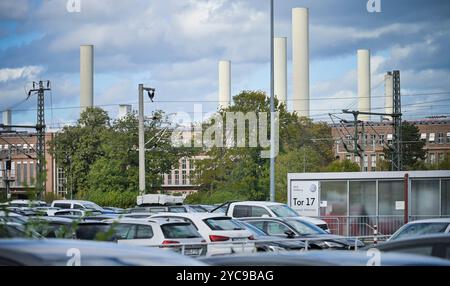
{"x":76,"y":204}
{"x":26,"y":203}
{"x":224,"y":235}
{"x":159,"y":232}
{"x":422,"y":227}
{"x":248,"y":209}
{"x":74,"y":213}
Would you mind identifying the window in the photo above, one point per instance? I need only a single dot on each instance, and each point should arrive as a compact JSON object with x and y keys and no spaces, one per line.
{"x":177,"y":210}
{"x":259,"y":212}
{"x":283,"y":211}
{"x":169,"y":179}
{"x":389,"y":138}
{"x":423,"y":136}
{"x":373,"y":139}
{"x":184,"y":178}
{"x":415,"y":229}
{"x":241,"y":211}
{"x":192,"y":164}
{"x":62,"y":205}
{"x":425,"y":197}
{"x":125,"y":231}
{"x":179,"y":230}
{"x":25,"y":173}
{"x":373,"y":162}
{"x":381,"y":139}
{"x":441,"y":157}
{"x":19,"y":174}
{"x":440,"y":138}
{"x":432,"y":158}
{"x":32,"y":179}
{"x":448,"y":137}
{"x":143,"y":232}
{"x":222,"y":223}
{"x":431,"y":139}
{"x":77,"y":206}
{"x":276,"y":228}
{"x":183,"y":164}
{"x":366,"y":163}
{"x":177,"y":177}
{"x":335,"y":194}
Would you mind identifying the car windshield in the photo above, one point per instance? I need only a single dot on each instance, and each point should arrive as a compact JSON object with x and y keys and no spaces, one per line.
{"x":92,"y":206}
{"x":283,"y":211}
{"x":415,"y":229}
{"x":305,"y":228}
{"x":179,"y":230}
{"x":223,"y":223}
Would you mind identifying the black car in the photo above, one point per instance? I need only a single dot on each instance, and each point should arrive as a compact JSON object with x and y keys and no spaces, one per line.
{"x":265,"y":243}
{"x":437,"y":245}
{"x":56,"y":252}
{"x":52,"y":226}
{"x":323,"y":258}
{"x":296,"y":228}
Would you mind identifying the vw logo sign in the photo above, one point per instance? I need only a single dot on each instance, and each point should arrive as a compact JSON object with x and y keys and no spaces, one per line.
{"x":313,"y":188}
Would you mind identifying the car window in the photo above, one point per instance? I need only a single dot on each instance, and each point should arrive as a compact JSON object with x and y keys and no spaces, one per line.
{"x":144,"y":231}
{"x":415,"y":229}
{"x":253,"y":229}
{"x":62,"y":205}
{"x":283,"y":211}
{"x":179,"y":230}
{"x":63,"y":213}
{"x":258,"y":224}
{"x":276,"y":228}
{"x":125,"y":231}
{"x":259,"y":212}
{"x":78,"y":206}
{"x":242,"y":211}
{"x":305,"y":228}
{"x":222,"y":223}
{"x":177,"y":209}
{"x":90,"y":231}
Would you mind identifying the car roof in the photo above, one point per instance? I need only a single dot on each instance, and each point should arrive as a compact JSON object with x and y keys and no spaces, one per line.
{"x":54,"y":252}
{"x":258,"y":203}
{"x":191,"y":215}
{"x":431,"y":220}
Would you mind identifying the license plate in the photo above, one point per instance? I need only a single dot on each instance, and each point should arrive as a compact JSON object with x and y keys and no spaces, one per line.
{"x":238,"y":239}
{"x":193,"y":251}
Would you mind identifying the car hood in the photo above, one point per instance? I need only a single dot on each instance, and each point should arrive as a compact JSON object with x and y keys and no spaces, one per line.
{"x":337,"y":238}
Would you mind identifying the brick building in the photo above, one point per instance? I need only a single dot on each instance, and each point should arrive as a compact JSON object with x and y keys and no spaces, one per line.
{"x":435,"y":132}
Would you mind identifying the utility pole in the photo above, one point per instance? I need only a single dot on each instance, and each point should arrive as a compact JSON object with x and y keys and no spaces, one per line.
{"x":40,"y":134}
{"x":151,"y":94}
{"x":397,"y":164}
{"x":272,"y":109}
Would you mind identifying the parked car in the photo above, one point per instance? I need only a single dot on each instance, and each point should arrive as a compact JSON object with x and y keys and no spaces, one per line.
{"x":137,"y":215}
{"x":56,"y":252}
{"x":437,"y":245}
{"x":196,"y":208}
{"x":73,"y":213}
{"x":422,"y":227}
{"x":45,"y":210}
{"x":95,"y":230}
{"x":159,"y":209}
{"x":267,"y":209}
{"x":172,"y":233}
{"x":16,"y":230}
{"x":113,"y":210}
{"x":266,"y":243}
{"x":298,"y":228}
{"x":52,"y":226}
{"x":7,"y":216}
{"x":323,"y":258}
{"x":76,"y":204}
{"x":230,"y":235}
{"x":26,"y":203}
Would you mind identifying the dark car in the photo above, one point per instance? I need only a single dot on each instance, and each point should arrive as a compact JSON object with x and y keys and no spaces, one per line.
{"x":264,"y":242}
{"x":95,"y":230}
{"x":52,"y":226}
{"x":437,"y":245}
{"x":55,"y":252}
{"x":15,"y":230}
{"x":323,"y":258}
{"x":298,"y":229}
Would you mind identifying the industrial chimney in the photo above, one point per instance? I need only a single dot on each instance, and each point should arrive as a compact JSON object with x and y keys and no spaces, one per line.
{"x":124,"y":109}
{"x":280,"y":63}
{"x":389,"y":94}
{"x":7,"y":119}
{"x":364,"y":83}
{"x":224,"y":84}
{"x":300,"y":60}
{"x":86,"y":76}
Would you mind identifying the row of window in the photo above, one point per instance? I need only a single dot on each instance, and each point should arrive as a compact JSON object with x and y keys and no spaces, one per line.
{"x":22,"y":172}
{"x":437,"y":138}
{"x":181,"y":175}
{"x":17,"y":146}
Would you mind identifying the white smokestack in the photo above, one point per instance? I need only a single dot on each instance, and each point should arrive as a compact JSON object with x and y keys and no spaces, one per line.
{"x":224,"y":84}
{"x":389,"y":94}
{"x":280,"y":65}
{"x":300,"y":60}
{"x":124,"y":109}
{"x":86,"y":76}
{"x":7,"y":119}
{"x":364,"y":83}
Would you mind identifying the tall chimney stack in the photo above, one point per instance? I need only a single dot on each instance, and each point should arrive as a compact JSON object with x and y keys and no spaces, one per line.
{"x":7,"y":119}
{"x":300,"y":60}
{"x":389,"y":94}
{"x":86,"y":76}
{"x":224,"y":84}
{"x":280,"y":63}
{"x":364,"y":83}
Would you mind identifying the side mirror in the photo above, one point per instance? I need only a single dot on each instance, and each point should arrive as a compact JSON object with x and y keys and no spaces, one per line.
{"x":289,"y":233}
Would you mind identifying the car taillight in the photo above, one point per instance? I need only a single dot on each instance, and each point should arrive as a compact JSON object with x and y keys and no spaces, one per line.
{"x":170,"y":242}
{"x":218,"y":238}
{"x":251,"y":237}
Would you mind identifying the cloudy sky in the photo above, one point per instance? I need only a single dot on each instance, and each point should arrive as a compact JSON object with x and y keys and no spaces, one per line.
{"x":175,"y":46}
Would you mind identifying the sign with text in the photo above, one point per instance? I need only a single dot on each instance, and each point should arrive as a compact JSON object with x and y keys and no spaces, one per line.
{"x":304,"y":197}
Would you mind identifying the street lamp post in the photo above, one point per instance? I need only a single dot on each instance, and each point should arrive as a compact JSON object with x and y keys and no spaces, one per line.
{"x":151,"y":94}
{"x":272,"y":110}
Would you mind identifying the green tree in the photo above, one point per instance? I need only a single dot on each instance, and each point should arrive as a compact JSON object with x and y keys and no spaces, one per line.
{"x":413,"y":150}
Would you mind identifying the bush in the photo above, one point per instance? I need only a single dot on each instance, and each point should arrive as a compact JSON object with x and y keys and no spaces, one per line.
{"x":50,"y":197}
{"x":125,"y":199}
